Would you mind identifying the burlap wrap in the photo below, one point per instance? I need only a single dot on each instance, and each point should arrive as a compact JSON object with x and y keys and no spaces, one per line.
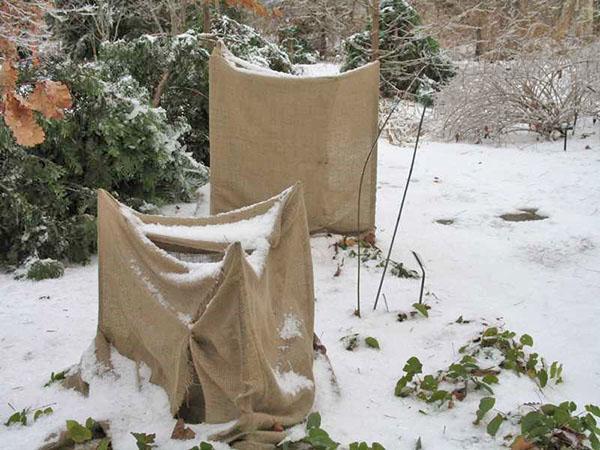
{"x":268,"y":131}
{"x":226,"y":340}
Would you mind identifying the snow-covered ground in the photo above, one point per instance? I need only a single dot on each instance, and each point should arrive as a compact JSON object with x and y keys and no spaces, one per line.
{"x":540,"y":277}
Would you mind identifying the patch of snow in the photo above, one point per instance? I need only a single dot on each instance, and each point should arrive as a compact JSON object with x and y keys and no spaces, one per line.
{"x":290,"y":382}
{"x":292,"y":327}
{"x":321,"y":69}
{"x":253,"y":234}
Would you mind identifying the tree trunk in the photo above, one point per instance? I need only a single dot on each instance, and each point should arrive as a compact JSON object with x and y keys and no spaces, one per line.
{"x":375,"y":30}
{"x":585,"y":19}
{"x":206,"y":17}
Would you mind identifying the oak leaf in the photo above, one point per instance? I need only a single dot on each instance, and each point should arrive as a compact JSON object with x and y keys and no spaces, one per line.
{"x":50,"y":98}
{"x":8,"y":76}
{"x":20,"y":119}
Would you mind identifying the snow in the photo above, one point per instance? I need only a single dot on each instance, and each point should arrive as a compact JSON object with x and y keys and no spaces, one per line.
{"x":540,"y":278}
{"x":290,"y":382}
{"x":253,"y":234}
{"x":292,"y":327}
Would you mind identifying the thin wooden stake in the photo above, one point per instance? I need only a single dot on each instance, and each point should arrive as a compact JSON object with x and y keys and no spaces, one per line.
{"x":412,"y":165}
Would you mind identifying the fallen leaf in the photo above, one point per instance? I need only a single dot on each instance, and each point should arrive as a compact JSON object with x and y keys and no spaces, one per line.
{"x":50,"y":98}
{"x":521,"y":443}
{"x":369,"y":238}
{"x":19,"y":118}
{"x":8,"y":76}
{"x":459,"y":394}
{"x":181,"y":432}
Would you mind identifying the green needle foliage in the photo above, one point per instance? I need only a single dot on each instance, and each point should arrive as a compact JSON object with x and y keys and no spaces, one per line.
{"x":409,"y":59}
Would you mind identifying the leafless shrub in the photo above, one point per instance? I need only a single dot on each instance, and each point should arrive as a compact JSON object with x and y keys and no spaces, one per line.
{"x":544,"y":92}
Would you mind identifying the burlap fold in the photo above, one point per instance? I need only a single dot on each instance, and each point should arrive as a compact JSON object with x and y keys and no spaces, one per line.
{"x":219,"y":308}
{"x":269,"y":130}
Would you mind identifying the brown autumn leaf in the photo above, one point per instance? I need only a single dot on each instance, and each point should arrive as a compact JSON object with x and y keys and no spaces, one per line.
{"x":369,"y":238}
{"x":50,"y":98}
{"x":8,"y":76}
{"x":19,"y":118}
{"x":181,"y":432}
{"x":521,"y":443}
{"x":8,"y":49}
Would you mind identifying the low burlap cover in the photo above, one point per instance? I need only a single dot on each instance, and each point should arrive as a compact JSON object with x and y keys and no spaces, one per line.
{"x":269,"y":130}
{"x":226,"y":339}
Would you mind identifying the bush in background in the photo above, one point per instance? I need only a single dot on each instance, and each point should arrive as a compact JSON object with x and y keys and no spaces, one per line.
{"x":543,"y":92}
{"x":409,"y":60}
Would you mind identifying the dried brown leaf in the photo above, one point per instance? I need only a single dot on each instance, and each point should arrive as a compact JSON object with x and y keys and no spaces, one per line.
{"x":521,"y":443}
{"x":181,"y":432}
{"x":20,"y":119}
{"x":8,"y":76}
{"x":50,"y":98}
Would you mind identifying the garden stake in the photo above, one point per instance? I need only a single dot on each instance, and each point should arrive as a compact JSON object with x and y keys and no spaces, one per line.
{"x":412,"y":165}
{"x":422,"y":276}
{"x":362,"y":176}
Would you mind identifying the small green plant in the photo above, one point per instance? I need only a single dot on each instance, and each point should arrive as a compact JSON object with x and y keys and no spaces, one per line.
{"x":144,"y":441}
{"x":42,"y":412}
{"x":412,"y":368}
{"x":513,"y":354}
{"x":317,"y":438}
{"x":21,"y":416}
{"x":372,"y":342}
{"x":203,"y":446}
{"x":77,"y":432}
{"x":350,"y":341}
{"x":365,"y":446}
{"x":498,"y":350}
{"x":18,"y":417}
{"x":370,"y":252}
{"x":560,"y":427}
{"x":91,"y":430}
{"x":422,"y":309}
{"x":58,"y":376}
{"x":43,"y":269}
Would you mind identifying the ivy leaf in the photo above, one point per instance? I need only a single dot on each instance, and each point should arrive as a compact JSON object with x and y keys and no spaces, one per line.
{"x":494,"y":424}
{"x":78,"y":432}
{"x":18,"y":417}
{"x":413,"y":366}
{"x":595,"y":410}
{"x":372,"y":342}
{"x":485,"y":405}
{"x":526,"y":340}
{"x":542,"y":377}
{"x":440,"y":396}
{"x":313,"y":421}
{"x":490,"y":379}
{"x":421,"y":308}
{"x":144,"y":441}
{"x":104,"y":443}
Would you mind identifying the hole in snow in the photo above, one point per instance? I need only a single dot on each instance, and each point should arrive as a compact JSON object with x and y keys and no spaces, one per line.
{"x":524,"y":215}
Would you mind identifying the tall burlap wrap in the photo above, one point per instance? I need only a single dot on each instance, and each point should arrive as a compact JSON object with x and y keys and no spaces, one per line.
{"x":227,"y":339}
{"x":269,"y":130}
